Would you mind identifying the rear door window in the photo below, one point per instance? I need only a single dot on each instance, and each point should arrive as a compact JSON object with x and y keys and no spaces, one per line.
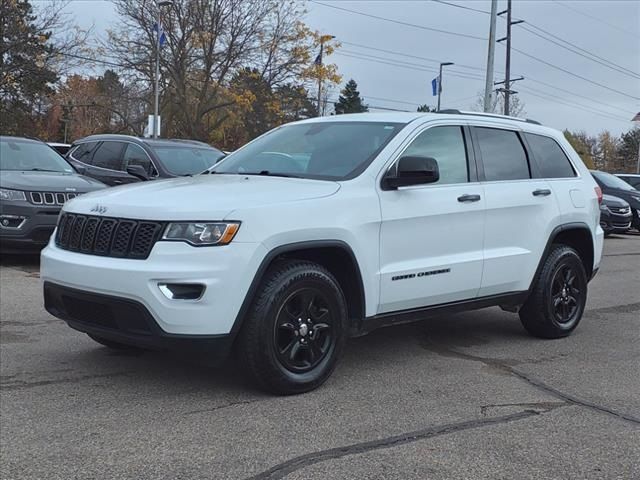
{"x":108,"y":155}
{"x":503,"y":154}
{"x":550,"y":157}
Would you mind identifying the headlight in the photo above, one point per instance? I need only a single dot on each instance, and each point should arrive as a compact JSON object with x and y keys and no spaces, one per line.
{"x":604,"y":208}
{"x":202,"y":233}
{"x":11,"y":195}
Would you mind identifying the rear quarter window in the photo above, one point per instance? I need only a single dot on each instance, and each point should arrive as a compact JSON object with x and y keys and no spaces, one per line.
{"x":551,"y":159}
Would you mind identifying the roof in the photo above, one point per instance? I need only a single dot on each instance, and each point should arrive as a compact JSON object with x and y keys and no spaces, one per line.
{"x":20,"y":139}
{"x":407,"y":117}
{"x":148,"y":141}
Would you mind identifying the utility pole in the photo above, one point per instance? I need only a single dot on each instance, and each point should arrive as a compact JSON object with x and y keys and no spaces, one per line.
{"x":318,"y":62}
{"x":488,"y":85}
{"x":160,"y":4}
{"x":507,"y":79}
{"x":442,"y":64}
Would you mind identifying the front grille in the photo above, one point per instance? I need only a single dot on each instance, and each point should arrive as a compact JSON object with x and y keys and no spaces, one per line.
{"x":50,"y":198}
{"x":621,"y":210}
{"x":109,"y":237}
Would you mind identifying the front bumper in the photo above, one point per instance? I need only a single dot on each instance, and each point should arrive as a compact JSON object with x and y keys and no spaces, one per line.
{"x":226,"y":272}
{"x":126,"y":321}
{"x":616,"y":223}
{"x":34,"y":232}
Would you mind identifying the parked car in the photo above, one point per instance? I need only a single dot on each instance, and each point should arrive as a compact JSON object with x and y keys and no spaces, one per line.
{"x":612,"y":185}
{"x":632,"y":179}
{"x":120,"y":159}
{"x":615,"y":215}
{"x":332,"y":227}
{"x":35,"y":182}
{"x":61,"y":148}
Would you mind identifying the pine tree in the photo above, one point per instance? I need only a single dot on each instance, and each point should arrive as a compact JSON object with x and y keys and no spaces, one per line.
{"x":350,"y":100}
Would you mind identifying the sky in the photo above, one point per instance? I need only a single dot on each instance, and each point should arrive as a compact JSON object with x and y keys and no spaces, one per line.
{"x":561,"y":89}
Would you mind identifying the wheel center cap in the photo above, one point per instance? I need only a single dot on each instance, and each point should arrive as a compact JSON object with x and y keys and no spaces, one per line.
{"x":304,"y":329}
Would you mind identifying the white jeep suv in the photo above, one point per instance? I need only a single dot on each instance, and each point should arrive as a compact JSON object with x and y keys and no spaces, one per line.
{"x":328,"y":228}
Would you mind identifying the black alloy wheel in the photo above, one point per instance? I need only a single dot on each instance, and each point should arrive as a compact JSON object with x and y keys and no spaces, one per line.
{"x":303,"y":333}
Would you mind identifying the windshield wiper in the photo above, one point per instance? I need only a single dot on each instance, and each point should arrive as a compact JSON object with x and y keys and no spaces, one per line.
{"x":43,"y":170}
{"x":267,"y":173}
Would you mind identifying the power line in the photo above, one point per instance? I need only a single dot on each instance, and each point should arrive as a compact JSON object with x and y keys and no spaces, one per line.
{"x":393,"y":52}
{"x":571,"y":105}
{"x":575,"y":74}
{"x":611,"y":65}
{"x":399,"y":22}
{"x":401,"y":64}
{"x":614,"y":67}
{"x":579,"y":12}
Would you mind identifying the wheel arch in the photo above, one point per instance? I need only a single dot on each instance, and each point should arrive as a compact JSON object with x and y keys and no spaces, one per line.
{"x":335,"y":255}
{"x":576,"y":235}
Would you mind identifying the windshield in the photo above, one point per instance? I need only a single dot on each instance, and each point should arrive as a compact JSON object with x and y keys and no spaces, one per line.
{"x":186,"y":159}
{"x":23,"y":155}
{"x":323,"y":150}
{"x":611,"y":181}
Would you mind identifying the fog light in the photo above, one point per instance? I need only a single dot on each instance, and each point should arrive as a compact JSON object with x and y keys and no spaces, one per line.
{"x":182,"y":291}
{"x":12,"y":221}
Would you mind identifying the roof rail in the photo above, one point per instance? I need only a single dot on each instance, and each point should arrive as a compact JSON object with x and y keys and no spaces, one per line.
{"x":453,"y":111}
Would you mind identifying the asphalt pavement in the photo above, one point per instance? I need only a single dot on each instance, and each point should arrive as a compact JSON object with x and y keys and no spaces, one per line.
{"x":462,"y":396}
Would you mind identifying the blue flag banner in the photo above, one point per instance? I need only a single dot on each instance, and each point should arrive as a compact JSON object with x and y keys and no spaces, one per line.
{"x":434,"y":86}
{"x":163,"y":37}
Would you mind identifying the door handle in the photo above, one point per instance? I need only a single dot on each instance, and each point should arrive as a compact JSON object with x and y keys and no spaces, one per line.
{"x":469,"y":198}
{"x":118,"y":182}
{"x":543,"y":192}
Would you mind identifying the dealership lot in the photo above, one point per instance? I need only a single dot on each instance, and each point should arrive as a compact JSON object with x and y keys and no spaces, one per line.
{"x":463,"y":396}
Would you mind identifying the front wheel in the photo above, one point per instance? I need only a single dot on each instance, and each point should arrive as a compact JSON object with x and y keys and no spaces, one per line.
{"x":557,"y":301}
{"x":296,"y":328}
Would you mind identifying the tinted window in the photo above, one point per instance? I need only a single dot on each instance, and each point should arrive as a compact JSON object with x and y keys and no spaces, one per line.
{"x":135,"y":155}
{"x":187,"y":160}
{"x":23,"y":155}
{"x":503,"y":155}
{"x":333,"y":150}
{"x":108,"y":156}
{"x":550,"y":157}
{"x":84,"y":151}
{"x":446,"y":145}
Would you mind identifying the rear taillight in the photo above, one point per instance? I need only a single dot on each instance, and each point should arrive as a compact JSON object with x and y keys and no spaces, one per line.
{"x":599,"y":194}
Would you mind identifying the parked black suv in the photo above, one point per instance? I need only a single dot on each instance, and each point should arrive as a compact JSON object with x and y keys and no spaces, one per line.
{"x":612,"y":185}
{"x":120,"y":159}
{"x":35,"y":182}
{"x":615,"y":215}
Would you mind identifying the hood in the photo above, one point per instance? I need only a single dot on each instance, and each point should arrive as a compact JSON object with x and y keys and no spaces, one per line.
{"x":48,"y":181}
{"x":630,"y":196}
{"x":204,"y":197}
{"x":612,"y":201}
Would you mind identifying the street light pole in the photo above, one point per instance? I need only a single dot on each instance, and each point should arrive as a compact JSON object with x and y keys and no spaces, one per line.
{"x":443,"y":64}
{"x":160,"y":4}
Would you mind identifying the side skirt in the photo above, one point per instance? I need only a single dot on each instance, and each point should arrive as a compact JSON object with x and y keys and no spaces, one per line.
{"x":507,"y":301}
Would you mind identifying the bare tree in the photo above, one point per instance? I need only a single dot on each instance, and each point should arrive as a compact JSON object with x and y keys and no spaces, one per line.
{"x":207,"y":42}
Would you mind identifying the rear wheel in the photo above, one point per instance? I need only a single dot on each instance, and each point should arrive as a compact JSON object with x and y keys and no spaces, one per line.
{"x":558,"y":297}
{"x":296,"y":328}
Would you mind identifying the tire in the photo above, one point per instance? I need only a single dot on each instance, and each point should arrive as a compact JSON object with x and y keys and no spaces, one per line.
{"x":558,"y":297}
{"x":296,"y":328}
{"x":113,"y":345}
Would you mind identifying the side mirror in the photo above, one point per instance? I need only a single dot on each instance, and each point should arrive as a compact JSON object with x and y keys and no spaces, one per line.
{"x":412,"y":171}
{"x":138,"y":171}
{"x":80,"y":169}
